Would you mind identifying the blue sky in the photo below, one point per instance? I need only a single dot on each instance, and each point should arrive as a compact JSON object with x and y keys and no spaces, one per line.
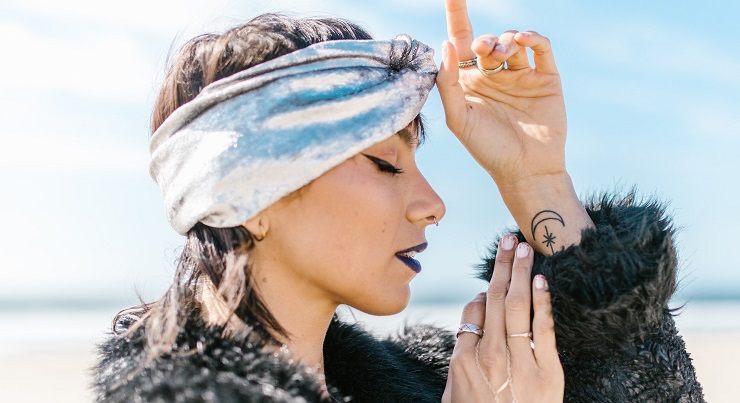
{"x":651,"y":91}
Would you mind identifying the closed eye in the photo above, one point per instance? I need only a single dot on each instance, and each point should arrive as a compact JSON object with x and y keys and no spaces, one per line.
{"x":384,"y":165}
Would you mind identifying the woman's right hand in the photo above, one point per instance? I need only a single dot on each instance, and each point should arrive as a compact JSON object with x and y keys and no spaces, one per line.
{"x":481,"y":366}
{"x":512,"y":122}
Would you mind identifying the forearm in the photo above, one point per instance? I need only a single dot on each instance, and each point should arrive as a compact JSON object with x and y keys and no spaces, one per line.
{"x":547,"y":211}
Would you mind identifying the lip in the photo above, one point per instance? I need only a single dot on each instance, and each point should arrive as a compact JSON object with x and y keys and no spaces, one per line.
{"x":412,"y":263}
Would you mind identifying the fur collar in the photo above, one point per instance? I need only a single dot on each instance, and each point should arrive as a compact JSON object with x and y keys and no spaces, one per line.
{"x":205,"y":366}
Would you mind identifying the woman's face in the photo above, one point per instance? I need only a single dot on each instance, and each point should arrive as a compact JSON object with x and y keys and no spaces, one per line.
{"x":346,"y":236}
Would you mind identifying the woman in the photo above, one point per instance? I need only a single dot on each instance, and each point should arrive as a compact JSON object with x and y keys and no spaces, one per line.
{"x":288,"y":162}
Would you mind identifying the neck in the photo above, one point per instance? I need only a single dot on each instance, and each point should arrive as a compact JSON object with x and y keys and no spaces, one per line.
{"x":301,"y":311}
{"x":306,"y":322}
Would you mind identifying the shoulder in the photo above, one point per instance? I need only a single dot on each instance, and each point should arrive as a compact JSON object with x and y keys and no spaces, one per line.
{"x":204,"y":366}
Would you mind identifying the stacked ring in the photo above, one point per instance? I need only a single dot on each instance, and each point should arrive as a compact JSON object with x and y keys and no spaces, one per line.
{"x":468,"y":63}
{"x":469,"y":328}
{"x":490,"y":72}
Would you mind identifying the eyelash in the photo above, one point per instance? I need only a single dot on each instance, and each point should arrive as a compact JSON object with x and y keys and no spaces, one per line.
{"x":384,"y":165}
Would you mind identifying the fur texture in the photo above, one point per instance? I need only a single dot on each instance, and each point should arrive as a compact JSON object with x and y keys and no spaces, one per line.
{"x":208,"y":367}
{"x":615,"y":333}
{"x":616,"y":336}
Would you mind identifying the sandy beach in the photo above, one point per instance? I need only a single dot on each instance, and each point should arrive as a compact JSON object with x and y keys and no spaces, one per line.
{"x":35,"y":368}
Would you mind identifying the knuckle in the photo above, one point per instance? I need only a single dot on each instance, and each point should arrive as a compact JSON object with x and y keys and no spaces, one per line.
{"x":497,"y":292}
{"x":474,"y":307}
{"x":516,"y":303}
{"x":522,"y":265}
{"x":546,"y":327}
{"x":480,"y":297}
{"x":504,"y":257}
{"x":460,"y":33}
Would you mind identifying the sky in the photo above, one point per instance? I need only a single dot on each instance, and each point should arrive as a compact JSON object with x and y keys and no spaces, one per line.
{"x":651,"y":90}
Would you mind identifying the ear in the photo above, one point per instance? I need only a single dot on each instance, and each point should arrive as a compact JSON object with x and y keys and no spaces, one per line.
{"x":258,"y":227}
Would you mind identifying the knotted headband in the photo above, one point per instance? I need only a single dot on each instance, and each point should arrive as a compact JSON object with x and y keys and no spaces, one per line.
{"x":254,"y":137}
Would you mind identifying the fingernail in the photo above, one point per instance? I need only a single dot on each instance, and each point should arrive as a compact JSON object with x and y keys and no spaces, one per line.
{"x":507,"y":243}
{"x":539,"y":282}
{"x":522,"y":250}
{"x":500,"y":47}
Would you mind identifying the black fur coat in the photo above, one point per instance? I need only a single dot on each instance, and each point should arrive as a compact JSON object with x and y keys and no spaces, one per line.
{"x":615,"y":334}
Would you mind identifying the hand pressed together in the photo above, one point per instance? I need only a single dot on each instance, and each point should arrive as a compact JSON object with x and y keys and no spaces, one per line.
{"x":501,"y":365}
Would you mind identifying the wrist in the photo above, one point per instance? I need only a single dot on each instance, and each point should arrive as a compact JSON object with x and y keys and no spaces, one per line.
{"x":536,"y":186}
{"x":547,"y":210}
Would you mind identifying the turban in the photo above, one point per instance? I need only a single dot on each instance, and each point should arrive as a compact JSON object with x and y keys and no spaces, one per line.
{"x":250,"y":139}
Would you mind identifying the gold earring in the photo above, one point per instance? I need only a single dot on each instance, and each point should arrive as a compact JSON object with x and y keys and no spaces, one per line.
{"x":262,"y":234}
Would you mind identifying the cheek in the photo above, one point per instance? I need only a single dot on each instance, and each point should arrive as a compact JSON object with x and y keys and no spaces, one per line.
{"x":353,"y":217}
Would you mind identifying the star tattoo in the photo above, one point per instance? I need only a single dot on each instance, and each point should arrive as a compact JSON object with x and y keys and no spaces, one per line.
{"x":549,"y":239}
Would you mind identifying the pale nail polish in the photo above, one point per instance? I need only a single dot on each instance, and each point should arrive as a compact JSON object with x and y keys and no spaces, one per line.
{"x":500,"y":47}
{"x":539,"y":282}
{"x":508,"y":242}
{"x":522,"y":250}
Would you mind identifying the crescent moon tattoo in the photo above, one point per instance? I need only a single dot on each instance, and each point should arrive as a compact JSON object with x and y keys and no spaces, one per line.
{"x":541,"y":217}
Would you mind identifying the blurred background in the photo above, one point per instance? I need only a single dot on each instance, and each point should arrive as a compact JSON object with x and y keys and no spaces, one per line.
{"x":652,"y":97}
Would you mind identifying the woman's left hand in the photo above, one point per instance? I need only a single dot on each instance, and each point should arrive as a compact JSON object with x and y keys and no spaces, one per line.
{"x":500,"y":365}
{"x":512,"y":122}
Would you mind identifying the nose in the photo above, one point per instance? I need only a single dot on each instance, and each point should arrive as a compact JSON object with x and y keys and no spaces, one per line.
{"x":425,"y":206}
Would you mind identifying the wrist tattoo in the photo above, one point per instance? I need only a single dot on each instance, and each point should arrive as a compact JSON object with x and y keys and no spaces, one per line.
{"x":540,"y":223}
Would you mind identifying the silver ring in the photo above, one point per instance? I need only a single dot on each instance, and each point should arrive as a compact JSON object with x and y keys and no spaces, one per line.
{"x":469,"y":328}
{"x":527,"y":335}
{"x":490,"y":72}
{"x":468,"y":63}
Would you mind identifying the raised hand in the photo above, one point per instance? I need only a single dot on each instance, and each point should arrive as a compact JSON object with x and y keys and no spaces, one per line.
{"x":512,"y":122}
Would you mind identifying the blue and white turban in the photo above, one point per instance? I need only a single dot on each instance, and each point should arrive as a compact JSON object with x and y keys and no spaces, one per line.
{"x":254,"y":137}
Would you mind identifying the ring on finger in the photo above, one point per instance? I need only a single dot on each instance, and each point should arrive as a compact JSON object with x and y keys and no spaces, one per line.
{"x":469,"y":328}
{"x":468,"y":63}
{"x":489,"y":72}
{"x":527,"y":335}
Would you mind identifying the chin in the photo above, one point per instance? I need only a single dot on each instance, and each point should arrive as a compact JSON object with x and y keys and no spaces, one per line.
{"x":391,"y":303}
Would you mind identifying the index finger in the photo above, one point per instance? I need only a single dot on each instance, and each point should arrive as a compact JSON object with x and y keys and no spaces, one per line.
{"x":459,"y":30}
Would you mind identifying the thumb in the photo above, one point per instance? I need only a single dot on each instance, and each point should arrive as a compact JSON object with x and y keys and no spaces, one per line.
{"x":450,"y":90}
